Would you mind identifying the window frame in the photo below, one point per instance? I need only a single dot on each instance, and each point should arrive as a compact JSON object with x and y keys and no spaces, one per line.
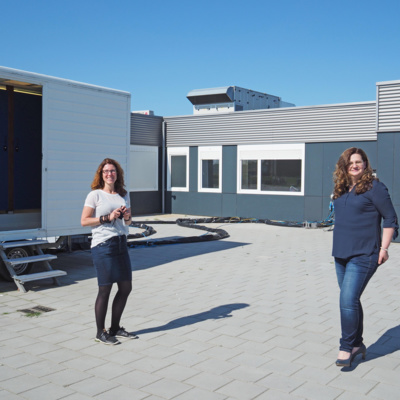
{"x":294,"y":151}
{"x":209,"y":153}
{"x":177,"y":151}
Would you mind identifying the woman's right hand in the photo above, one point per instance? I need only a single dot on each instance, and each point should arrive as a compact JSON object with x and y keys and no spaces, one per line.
{"x":115,"y":214}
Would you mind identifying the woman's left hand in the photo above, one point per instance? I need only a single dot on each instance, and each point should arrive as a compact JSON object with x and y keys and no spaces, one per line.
{"x":127,"y":214}
{"x":383,"y":256}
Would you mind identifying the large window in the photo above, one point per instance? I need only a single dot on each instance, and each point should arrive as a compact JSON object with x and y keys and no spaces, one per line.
{"x":178,"y":168}
{"x":281,"y":175}
{"x":143,"y":168}
{"x":210,"y":169}
{"x":271,"y":169}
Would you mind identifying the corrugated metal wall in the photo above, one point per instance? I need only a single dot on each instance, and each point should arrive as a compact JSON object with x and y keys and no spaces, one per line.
{"x":330,"y":123}
{"x":146,"y":130}
{"x":388,"y":106}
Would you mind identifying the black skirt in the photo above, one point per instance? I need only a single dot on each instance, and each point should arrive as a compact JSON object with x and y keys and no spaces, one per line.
{"x":112,"y":262}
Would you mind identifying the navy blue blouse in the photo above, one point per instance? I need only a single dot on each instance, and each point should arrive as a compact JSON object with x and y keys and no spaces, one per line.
{"x":358,"y":219}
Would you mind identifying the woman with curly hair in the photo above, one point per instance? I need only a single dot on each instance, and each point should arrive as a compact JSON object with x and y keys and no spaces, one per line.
{"x":361,"y":202}
{"x":107,"y":211}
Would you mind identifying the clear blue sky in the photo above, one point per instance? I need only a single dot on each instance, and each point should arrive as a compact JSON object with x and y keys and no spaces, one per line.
{"x":307,"y":52}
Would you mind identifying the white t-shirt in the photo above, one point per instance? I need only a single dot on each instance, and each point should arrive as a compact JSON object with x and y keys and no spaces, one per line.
{"x":104,"y":203}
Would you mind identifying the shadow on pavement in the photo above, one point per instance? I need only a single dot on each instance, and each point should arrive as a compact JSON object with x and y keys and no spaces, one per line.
{"x":79,"y":265}
{"x":153,"y":256}
{"x":387,"y":344}
{"x":215,"y":313}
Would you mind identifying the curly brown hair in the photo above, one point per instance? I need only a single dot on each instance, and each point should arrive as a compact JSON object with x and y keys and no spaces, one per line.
{"x":98,"y":181}
{"x":342,"y":179}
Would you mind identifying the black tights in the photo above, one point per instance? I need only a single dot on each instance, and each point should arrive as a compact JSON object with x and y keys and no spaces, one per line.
{"x":118,"y":305}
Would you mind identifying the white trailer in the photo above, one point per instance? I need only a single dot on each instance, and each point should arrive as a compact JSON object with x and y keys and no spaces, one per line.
{"x":53,"y":135}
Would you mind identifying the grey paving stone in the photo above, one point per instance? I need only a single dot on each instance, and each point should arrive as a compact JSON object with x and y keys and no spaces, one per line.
{"x":207,"y":381}
{"x":282,"y":367}
{"x":166,"y":388}
{"x":246,"y":373}
{"x":49,"y":391}
{"x":176,"y":372}
{"x":67,"y":377}
{"x":280,"y":382}
{"x":7,"y":372}
{"x":18,"y":385}
{"x":108,"y":370}
{"x":259,"y":305}
{"x":197,"y":393}
{"x":314,"y":391}
{"x":7,"y":351}
{"x":18,"y":360}
{"x":384,"y":391}
{"x":92,"y":386}
{"x":5,"y":395}
{"x":122,"y":392}
{"x":42,"y":368}
{"x":248,"y":359}
{"x":355,"y":396}
{"x":185,"y":358}
{"x":353,"y":384}
{"x":215,"y":366}
{"x":78,"y":396}
{"x":241,"y":390}
{"x":83,"y":363}
{"x":61,"y":355}
{"x":38,"y":348}
{"x":273,"y":394}
{"x":317,"y":375}
{"x":136,"y":379}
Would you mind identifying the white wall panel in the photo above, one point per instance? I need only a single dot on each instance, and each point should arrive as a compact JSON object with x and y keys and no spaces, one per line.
{"x":81,"y":126}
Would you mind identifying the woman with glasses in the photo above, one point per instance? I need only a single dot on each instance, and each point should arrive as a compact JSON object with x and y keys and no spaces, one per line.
{"x":107,"y":211}
{"x":361,"y":202}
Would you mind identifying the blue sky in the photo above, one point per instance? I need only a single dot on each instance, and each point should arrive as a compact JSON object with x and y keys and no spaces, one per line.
{"x":307,"y":52}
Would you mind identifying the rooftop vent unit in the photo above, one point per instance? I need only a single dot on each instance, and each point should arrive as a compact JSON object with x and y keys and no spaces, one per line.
{"x":232,"y":98}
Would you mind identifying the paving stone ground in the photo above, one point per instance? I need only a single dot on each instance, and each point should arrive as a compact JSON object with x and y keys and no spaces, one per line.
{"x":253,"y":316}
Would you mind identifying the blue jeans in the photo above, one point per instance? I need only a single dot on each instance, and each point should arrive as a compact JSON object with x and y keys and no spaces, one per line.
{"x":353,"y":275}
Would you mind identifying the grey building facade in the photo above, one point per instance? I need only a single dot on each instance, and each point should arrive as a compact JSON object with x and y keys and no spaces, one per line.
{"x":275,"y":163}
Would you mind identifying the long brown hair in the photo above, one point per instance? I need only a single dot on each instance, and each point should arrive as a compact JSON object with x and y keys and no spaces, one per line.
{"x":98,"y":181}
{"x":342,"y":179}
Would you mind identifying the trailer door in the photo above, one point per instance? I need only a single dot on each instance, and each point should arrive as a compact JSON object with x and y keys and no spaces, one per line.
{"x":21,"y":156}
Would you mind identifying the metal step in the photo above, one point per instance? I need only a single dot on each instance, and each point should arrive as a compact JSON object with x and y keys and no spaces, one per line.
{"x":22,"y":243}
{"x":39,"y":275}
{"x":23,"y":260}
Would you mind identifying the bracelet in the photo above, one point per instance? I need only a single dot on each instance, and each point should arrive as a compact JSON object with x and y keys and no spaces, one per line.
{"x":387,"y":250}
{"x":127,"y":219}
{"x":104,"y":219}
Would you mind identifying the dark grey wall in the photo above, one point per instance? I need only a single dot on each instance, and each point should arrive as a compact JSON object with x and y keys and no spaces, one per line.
{"x":320,"y":161}
{"x":145,"y":203}
{"x":388,"y":166}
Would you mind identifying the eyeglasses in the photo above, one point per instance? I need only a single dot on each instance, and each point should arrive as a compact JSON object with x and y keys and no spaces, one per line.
{"x":109,"y":171}
{"x":358,"y":163}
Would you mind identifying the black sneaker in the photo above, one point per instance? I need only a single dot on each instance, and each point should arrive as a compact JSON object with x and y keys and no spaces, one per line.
{"x":121,"y":332}
{"x":106,"y":338}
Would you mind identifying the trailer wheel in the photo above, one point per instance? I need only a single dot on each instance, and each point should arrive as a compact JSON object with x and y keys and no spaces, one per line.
{"x":20,"y":269}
